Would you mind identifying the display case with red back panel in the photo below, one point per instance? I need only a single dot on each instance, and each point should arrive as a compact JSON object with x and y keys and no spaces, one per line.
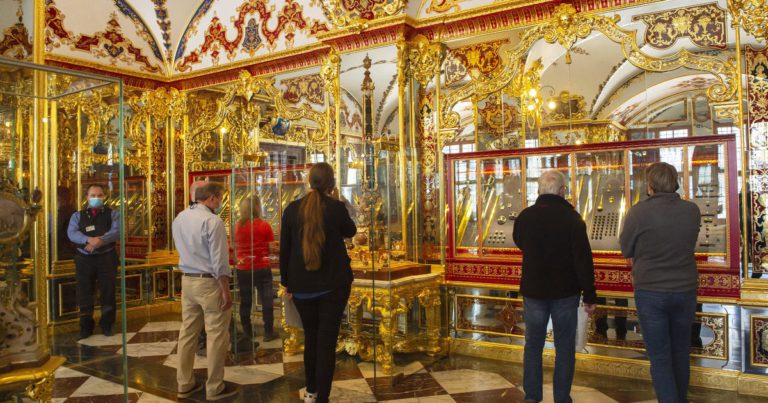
{"x":487,"y":190}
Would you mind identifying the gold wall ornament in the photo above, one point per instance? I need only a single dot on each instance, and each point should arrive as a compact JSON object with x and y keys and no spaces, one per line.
{"x":473,"y":60}
{"x":424,"y":59}
{"x":703,"y":24}
{"x":343,"y":13}
{"x":752,"y":15}
{"x":565,"y":28}
{"x":442,"y":6}
{"x":567,"y":106}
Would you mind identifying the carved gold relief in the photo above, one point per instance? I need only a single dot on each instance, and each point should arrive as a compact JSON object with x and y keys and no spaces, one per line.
{"x":703,"y":24}
{"x":475,"y":60}
{"x":752,"y":15}
{"x":442,"y":6}
{"x":424,"y":59}
{"x":565,"y":28}
{"x":343,"y":13}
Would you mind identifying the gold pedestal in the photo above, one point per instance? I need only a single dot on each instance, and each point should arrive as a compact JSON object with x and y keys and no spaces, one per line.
{"x":37,"y":383}
{"x":387,"y":300}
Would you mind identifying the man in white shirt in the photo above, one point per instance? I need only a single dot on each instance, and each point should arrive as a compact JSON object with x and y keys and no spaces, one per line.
{"x":201,"y":241}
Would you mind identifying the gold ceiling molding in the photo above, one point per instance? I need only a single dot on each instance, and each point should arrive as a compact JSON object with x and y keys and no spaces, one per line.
{"x":752,"y":15}
{"x":343,"y":13}
{"x":565,"y":28}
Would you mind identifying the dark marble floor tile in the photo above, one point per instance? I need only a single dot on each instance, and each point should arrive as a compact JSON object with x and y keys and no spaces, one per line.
{"x":132,"y":398}
{"x":151,"y":337}
{"x":346,"y":370}
{"x":490,"y":396}
{"x":416,"y":385}
{"x":63,"y":387}
{"x":290,"y":368}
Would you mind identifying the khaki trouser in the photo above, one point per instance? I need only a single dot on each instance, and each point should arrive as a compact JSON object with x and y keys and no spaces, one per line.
{"x":201,"y":304}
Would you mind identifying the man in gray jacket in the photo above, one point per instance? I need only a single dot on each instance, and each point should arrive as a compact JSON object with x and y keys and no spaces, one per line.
{"x":659,"y":236}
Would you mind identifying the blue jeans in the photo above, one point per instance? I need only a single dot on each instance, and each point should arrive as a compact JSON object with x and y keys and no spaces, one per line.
{"x":665,"y":322}
{"x":536,"y":313}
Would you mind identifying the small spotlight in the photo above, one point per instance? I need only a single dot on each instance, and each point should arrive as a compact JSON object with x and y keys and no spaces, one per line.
{"x":45,"y":120}
{"x":223,"y":130}
{"x":552,"y":105}
{"x":531,"y":107}
{"x":8,"y":123}
{"x":532,"y":92}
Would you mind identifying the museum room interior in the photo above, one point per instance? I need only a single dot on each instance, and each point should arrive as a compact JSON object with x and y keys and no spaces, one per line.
{"x":438,"y":117}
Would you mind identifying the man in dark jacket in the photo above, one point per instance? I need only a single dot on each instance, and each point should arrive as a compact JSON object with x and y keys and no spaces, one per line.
{"x":557,"y":270}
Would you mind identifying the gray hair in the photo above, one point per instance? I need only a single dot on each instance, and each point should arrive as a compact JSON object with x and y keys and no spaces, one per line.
{"x":551,"y":181}
{"x":202,"y":193}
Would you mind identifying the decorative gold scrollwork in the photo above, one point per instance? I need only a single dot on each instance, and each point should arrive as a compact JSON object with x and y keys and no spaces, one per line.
{"x":343,"y":13}
{"x":247,"y":87}
{"x":565,"y":28}
{"x":752,"y":15}
{"x":424,"y":59}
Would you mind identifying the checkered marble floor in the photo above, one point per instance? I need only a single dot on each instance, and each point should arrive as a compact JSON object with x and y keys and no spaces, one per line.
{"x":270,"y":376}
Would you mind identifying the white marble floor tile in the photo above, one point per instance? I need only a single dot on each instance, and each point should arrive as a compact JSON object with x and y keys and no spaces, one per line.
{"x":161,"y":326}
{"x":349,"y":391}
{"x":59,"y":399}
{"x":253,"y":374}
{"x":366,"y":368}
{"x":293,"y":358}
{"x":426,"y":399}
{"x":64,"y":372}
{"x":150,"y":398}
{"x":149,"y":349}
{"x":98,"y":340}
{"x":173,"y":362}
{"x":277,"y":343}
{"x":469,"y":380}
{"x":100,"y":387}
{"x":579,"y":394}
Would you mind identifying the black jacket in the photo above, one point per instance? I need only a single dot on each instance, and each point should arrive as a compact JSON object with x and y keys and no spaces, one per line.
{"x":335,"y":270}
{"x":557,"y":258}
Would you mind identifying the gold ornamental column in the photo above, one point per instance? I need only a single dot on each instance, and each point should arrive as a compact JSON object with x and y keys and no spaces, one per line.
{"x":425,"y":59}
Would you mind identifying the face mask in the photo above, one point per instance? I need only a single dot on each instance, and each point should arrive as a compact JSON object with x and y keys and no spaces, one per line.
{"x":95,"y":202}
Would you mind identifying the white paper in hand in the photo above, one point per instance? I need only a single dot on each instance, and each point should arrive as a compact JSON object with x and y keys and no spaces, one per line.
{"x":582,"y":322}
{"x":292,"y":317}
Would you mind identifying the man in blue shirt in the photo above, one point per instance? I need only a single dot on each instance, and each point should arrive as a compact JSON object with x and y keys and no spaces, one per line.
{"x":94,"y":230}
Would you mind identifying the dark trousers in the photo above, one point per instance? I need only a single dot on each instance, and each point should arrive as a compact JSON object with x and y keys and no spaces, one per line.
{"x":90,"y":270}
{"x":321,"y":319}
{"x":259,"y":280}
{"x":665,"y":320}
{"x":536,"y":313}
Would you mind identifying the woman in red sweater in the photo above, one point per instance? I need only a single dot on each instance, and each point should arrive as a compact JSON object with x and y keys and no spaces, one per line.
{"x":252,"y":242}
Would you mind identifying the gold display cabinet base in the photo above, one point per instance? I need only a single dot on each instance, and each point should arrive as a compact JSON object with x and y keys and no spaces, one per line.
{"x":713,"y":378}
{"x":37,"y":382}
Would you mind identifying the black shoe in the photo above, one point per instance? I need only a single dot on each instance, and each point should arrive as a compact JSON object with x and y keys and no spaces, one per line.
{"x":198,"y":387}
{"x":228,"y":391}
{"x":271,"y":336}
{"x":108,"y":332}
{"x":84,"y":335}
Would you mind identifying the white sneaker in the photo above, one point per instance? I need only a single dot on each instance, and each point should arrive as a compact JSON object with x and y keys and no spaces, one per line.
{"x":310,"y":397}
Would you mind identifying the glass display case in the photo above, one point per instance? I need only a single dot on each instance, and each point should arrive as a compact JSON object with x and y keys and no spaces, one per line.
{"x":31,"y":138}
{"x":276,"y":187}
{"x":487,"y":190}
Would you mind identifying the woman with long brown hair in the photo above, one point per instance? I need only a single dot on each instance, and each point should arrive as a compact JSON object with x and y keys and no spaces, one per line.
{"x":252,"y":238}
{"x":315,"y":269}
